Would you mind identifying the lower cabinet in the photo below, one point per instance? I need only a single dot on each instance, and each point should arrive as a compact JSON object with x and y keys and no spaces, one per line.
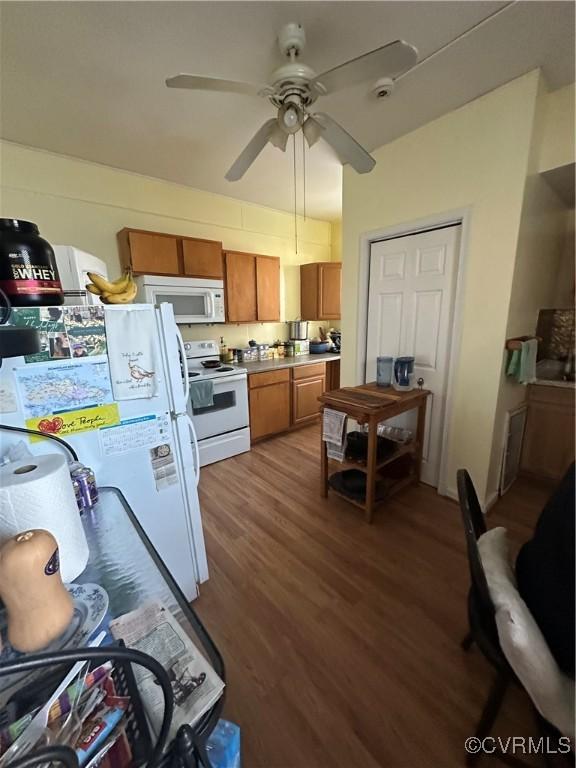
{"x":308,"y":383}
{"x":548,"y":447}
{"x":269,"y":396}
{"x":333,"y":375}
{"x":286,"y":398}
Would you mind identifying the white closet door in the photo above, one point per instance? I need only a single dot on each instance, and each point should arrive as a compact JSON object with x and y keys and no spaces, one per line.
{"x":410,"y":311}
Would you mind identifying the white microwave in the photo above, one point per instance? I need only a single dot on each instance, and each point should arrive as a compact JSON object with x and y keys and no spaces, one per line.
{"x":195,"y":300}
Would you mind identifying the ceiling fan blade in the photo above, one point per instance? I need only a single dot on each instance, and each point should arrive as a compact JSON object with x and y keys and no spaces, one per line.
{"x":312,"y":130}
{"x":200,"y":83}
{"x":252,"y":150}
{"x":389,"y":61}
{"x":347,"y":148}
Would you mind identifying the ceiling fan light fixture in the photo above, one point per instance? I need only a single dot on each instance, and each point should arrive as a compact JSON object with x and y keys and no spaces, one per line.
{"x":290,"y":117}
{"x":279,"y":138}
{"x":312,"y":131}
{"x":294,"y":87}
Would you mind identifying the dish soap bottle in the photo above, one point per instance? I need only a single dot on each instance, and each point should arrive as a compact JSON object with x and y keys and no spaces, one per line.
{"x":223,"y":350}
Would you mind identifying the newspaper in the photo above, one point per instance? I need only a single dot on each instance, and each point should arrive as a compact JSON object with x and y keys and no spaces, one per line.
{"x":195,"y":685}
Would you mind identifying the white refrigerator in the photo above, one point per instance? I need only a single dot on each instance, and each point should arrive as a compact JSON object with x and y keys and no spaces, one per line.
{"x":150,"y":452}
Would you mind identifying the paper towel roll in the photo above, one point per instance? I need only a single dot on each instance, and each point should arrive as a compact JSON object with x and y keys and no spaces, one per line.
{"x":37,"y":493}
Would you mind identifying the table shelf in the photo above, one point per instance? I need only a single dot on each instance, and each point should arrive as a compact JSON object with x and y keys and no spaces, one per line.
{"x":404,"y":450}
{"x":370,"y":404}
{"x":398,"y":485}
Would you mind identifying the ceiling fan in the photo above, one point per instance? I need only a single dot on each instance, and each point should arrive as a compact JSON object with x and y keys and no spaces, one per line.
{"x":294,"y":87}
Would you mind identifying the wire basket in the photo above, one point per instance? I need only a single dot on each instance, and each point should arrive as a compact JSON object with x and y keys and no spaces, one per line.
{"x":134,"y":722}
{"x":38,"y":690}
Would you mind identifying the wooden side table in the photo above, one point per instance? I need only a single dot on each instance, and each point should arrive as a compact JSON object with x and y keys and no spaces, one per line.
{"x":370,"y":404}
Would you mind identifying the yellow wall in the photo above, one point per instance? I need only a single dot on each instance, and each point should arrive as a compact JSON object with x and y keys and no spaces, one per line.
{"x":477,"y":158}
{"x":336,"y":236}
{"x":541,"y":245}
{"x":564,"y":293}
{"x":540,"y":256}
{"x":85,"y":204}
{"x":557,"y":145}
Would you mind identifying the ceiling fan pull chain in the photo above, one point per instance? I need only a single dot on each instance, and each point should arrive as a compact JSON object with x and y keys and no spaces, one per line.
{"x":303,"y":175}
{"x":295,"y":211}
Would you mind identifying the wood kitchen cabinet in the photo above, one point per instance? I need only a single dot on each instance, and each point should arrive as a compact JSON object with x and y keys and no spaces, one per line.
{"x":268,"y":288}
{"x":269,"y":396}
{"x":548,"y":446}
{"x":320,"y":290}
{"x":332,"y":375}
{"x":284,"y":399}
{"x":202,"y":258}
{"x":240,"y":287}
{"x":252,"y":287}
{"x":158,"y":253}
{"x":149,"y":253}
{"x":308,"y":383}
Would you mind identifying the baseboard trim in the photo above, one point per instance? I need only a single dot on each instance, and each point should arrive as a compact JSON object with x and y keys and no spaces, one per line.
{"x":452,"y":493}
{"x":492,"y":499}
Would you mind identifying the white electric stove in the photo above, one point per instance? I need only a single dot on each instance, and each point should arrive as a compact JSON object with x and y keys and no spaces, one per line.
{"x":223,"y":428}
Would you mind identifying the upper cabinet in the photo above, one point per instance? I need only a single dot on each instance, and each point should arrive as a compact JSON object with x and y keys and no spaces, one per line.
{"x":320,"y":290}
{"x":240,"y":287}
{"x":149,"y":253}
{"x":268,"y":288}
{"x":252,"y":287}
{"x":157,"y":253}
{"x":202,"y":258}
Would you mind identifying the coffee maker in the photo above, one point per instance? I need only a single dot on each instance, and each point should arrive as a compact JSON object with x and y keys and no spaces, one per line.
{"x":335,"y":336}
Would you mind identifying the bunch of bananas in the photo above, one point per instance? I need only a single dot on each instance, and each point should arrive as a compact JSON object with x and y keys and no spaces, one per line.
{"x":120,"y":291}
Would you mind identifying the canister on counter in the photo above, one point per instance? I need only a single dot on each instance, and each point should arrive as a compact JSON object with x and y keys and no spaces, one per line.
{"x":289,"y":349}
{"x":263,"y":353}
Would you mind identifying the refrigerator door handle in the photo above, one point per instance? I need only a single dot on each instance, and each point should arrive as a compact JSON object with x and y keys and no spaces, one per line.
{"x":185,"y":380}
{"x":196,"y":449}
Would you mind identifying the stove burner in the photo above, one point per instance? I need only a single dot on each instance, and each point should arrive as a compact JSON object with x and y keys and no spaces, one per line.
{"x":192,"y":373}
{"x":224,"y":368}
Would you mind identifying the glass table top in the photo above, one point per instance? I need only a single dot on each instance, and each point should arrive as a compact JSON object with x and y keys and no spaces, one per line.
{"x":123,"y":561}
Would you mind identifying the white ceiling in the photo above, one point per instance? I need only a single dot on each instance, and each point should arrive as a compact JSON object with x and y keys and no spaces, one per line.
{"x":87,"y":79}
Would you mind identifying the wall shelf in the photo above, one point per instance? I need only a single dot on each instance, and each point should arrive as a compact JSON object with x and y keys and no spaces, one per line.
{"x":516,"y":343}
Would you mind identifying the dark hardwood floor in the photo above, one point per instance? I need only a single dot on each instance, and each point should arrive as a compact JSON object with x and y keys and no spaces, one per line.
{"x":341,"y":640}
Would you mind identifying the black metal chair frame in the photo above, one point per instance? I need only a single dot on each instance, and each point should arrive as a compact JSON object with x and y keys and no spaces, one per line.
{"x":483,"y":630}
{"x":481,"y":615}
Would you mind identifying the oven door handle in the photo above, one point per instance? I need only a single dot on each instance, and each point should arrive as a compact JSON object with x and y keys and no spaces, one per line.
{"x":222,"y":380}
{"x":196,"y":449}
{"x":185,"y":379}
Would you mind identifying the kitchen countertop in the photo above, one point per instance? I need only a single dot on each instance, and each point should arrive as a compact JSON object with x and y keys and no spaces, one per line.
{"x":554,"y":383}
{"x":550,"y":373}
{"x":288,"y":362}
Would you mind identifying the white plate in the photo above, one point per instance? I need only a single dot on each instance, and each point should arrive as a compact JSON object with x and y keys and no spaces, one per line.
{"x":90,"y":606}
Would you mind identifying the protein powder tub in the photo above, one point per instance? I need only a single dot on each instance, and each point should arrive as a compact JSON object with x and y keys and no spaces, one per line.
{"x":28,"y":271}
